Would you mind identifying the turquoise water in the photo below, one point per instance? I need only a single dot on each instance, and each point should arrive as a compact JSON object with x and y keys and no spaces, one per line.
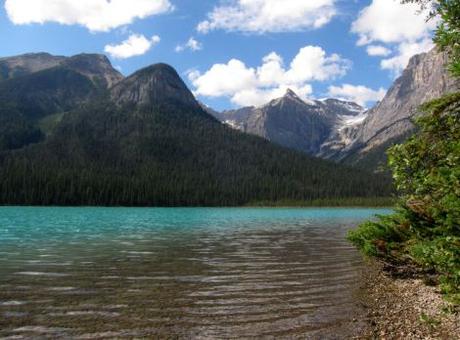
{"x":187,"y":273}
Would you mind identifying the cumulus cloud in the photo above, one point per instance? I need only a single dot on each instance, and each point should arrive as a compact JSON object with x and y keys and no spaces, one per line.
{"x":405,"y":51}
{"x":247,"y":86}
{"x":263,"y":16}
{"x":135,"y":45}
{"x":394,"y":27}
{"x":96,"y":15}
{"x":390,"y":22}
{"x":358,"y":94}
{"x":192,"y":44}
{"x":378,"y":50}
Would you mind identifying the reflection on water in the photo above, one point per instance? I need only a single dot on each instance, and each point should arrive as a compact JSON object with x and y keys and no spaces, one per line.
{"x":189,"y":273}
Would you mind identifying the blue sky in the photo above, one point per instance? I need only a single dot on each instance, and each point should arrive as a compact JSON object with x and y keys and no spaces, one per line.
{"x":347,"y":49}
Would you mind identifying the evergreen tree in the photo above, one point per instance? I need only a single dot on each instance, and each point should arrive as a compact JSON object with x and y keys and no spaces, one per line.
{"x":425,"y":230}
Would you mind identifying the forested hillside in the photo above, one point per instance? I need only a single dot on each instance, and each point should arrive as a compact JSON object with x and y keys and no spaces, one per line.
{"x":148,"y":142}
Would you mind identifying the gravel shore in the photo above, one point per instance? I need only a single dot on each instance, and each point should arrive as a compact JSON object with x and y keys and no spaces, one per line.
{"x":405,"y":308}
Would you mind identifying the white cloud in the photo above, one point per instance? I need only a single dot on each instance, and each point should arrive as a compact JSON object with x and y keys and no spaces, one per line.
{"x":263,"y":16}
{"x":224,"y":79}
{"x":135,"y":45}
{"x":378,"y":50}
{"x":261,"y":96}
{"x":96,"y":15}
{"x":358,"y":94}
{"x":394,"y":27}
{"x":192,"y":44}
{"x":246,"y":86}
{"x":405,"y":52}
{"x":312,"y":63}
{"x":389,"y":21}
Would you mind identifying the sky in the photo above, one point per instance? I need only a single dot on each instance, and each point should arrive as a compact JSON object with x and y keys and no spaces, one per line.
{"x":233,"y":53}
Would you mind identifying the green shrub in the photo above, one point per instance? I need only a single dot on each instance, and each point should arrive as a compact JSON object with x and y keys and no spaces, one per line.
{"x":442,"y":255}
{"x":426,"y":226}
{"x":378,"y":238}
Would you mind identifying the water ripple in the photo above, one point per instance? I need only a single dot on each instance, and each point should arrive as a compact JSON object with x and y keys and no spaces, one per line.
{"x":186,"y":273}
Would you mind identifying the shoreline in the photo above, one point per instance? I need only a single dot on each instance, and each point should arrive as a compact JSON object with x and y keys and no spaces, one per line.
{"x":267,"y":206}
{"x":405,"y":308}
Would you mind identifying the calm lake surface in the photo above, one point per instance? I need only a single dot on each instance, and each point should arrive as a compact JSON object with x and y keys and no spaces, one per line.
{"x":89,"y":273}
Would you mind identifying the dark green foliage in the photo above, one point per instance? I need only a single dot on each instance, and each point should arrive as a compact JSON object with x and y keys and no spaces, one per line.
{"x":4,"y":71}
{"x":46,"y":92}
{"x":426,"y":169}
{"x":15,"y":130}
{"x":426,"y":227}
{"x":425,"y":230}
{"x":380,"y":237}
{"x":168,"y":155}
{"x":448,"y":32}
{"x":26,"y":100}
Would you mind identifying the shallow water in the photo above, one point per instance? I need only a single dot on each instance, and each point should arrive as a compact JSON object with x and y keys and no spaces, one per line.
{"x":187,"y":273}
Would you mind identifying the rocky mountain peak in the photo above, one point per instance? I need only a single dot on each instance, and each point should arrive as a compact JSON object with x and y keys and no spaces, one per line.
{"x":390,"y":121}
{"x":88,"y":61}
{"x":11,"y":67}
{"x":297,"y":123}
{"x":97,"y":67}
{"x":289,"y":98}
{"x":425,"y":78}
{"x":154,"y":85}
{"x":290,"y":94}
{"x":343,"y":130}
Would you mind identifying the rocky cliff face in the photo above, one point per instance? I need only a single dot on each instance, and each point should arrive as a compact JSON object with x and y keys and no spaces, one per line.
{"x":343,"y":134}
{"x":96,"y":67}
{"x":342,"y":131}
{"x":288,"y":121}
{"x":425,"y":78}
{"x":293,"y":122}
{"x":154,"y":85}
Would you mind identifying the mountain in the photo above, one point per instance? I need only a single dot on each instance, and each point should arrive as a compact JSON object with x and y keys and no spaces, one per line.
{"x":25,"y":64}
{"x":343,"y":131}
{"x":146,"y":141}
{"x":293,"y":122}
{"x":94,"y":66}
{"x":37,"y":89}
{"x":154,"y":85}
{"x":390,"y":121}
{"x":343,"y":134}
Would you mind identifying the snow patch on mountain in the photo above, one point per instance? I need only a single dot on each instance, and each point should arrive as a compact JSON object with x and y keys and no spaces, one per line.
{"x":345,"y":121}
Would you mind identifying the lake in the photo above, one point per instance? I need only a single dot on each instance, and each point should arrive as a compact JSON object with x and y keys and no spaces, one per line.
{"x":184,"y":273}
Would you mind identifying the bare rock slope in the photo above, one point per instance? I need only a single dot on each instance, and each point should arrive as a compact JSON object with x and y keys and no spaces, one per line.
{"x":425,"y":78}
{"x":343,"y":131}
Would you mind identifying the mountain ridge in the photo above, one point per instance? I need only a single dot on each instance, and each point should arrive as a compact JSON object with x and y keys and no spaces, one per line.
{"x":91,"y":65}
{"x":425,"y":78}
{"x":292,"y":121}
{"x":146,"y":141}
{"x":38,"y":88}
{"x":344,"y":132}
